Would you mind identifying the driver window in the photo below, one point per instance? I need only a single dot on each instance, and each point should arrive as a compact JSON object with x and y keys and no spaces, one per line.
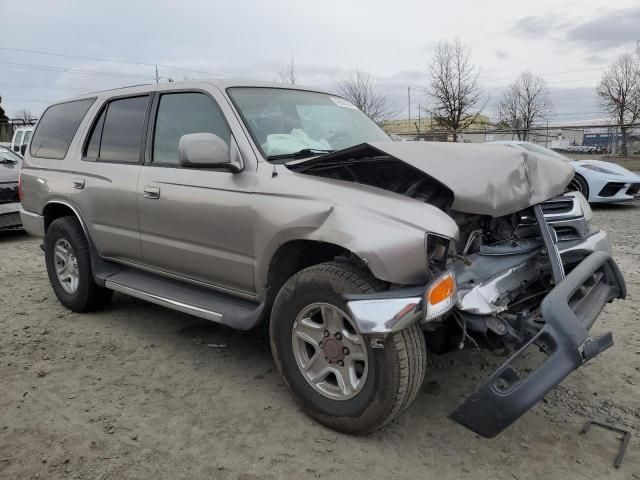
{"x":180,"y":114}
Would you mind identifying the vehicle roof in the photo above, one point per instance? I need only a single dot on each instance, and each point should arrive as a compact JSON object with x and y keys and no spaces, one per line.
{"x":25,"y":129}
{"x":220,"y":83}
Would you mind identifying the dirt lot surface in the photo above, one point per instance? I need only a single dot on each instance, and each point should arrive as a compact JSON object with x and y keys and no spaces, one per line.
{"x":140,"y":392}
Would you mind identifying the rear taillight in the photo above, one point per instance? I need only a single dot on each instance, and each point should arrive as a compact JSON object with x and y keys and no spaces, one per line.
{"x":20,"y":186}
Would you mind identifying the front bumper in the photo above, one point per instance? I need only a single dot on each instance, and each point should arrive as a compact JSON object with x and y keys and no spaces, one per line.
{"x":612,"y":189}
{"x":10,"y":216}
{"x":568,"y":311}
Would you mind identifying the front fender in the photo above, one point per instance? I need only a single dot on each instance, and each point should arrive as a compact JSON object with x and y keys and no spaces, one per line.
{"x":392,"y":250}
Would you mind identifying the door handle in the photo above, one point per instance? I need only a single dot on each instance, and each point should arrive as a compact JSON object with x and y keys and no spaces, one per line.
{"x":78,"y":183}
{"x":151,"y":192}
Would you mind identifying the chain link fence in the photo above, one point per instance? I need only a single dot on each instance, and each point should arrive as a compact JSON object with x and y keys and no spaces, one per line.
{"x":579,"y":139}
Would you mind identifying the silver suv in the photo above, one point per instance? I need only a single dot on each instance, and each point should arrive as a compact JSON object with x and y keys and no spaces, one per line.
{"x":245,"y":202}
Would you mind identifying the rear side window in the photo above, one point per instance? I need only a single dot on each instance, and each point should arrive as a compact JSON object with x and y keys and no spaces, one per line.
{"x":18,"y":140}
{"x":180,"y":114}
{"x":117,"y":134}
{"x":57,"y":128}
{"x":27,"y":136}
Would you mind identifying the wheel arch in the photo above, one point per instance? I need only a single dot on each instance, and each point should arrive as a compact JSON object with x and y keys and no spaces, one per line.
{"x":58,"y":208}
{"x":296,"y":255}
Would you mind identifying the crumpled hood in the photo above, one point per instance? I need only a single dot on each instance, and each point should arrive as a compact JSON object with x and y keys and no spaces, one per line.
{"x":485,"y":179}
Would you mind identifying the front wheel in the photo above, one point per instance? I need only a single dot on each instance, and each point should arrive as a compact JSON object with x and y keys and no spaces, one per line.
{"x":579,"y":184}
{"x":331,"y":370}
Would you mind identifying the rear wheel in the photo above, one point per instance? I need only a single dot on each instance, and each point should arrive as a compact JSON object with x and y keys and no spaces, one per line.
{"x":68,"y":262}
{"x":329,"y":367}
{"x":579,"y":184}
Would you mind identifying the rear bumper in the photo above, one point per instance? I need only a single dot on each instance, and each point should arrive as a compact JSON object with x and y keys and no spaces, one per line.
{"x":568,"y":311}
{"x":32,"y":223}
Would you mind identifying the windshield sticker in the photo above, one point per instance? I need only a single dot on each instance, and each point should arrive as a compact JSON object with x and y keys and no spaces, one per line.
{"x":341,"y":102}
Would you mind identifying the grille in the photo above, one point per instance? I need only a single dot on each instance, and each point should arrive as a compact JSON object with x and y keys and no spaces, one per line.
{"x":566,"y":234}
{"x":557,"y":206}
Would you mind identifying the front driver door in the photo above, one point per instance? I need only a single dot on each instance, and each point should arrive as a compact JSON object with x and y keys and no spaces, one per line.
{"x":194,"y":223}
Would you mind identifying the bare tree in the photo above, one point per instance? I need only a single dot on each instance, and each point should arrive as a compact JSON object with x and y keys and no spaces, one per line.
{"x":453,"y":91}
{"x":288,"y":73}
{"x":3,"y":116}
{"x":25,"y":116}
{"x":361,"y":90}
{"x":619,"y":93}
{"x":525,"y":102}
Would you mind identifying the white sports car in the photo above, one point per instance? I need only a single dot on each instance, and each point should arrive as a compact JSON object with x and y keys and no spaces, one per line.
{"x":598,"y":181}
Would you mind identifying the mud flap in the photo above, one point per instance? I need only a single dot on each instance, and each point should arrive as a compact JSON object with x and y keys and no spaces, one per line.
{"x":568,"y":311}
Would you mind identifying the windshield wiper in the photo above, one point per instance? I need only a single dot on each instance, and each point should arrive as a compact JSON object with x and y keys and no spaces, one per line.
{"x":305,"y":152}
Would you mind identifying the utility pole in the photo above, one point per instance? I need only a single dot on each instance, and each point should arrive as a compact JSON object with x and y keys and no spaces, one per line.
{"x":157,"y":78}
{"x":409,"y":103}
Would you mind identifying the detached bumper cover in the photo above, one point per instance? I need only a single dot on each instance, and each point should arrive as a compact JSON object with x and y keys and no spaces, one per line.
{"x":568,"y":311}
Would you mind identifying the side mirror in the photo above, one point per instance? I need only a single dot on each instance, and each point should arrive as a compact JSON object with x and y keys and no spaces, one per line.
{"x":206,"y":150}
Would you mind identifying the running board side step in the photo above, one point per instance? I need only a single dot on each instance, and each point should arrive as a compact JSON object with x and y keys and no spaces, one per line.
{"x":187,"y":298}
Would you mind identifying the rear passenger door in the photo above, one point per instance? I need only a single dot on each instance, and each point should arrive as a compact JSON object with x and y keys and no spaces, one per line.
{"x":105,"y":187}
{"x":194,"y":223}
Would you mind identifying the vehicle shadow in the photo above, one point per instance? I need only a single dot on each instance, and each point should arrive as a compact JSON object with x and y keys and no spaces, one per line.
{"x":613,"y":207}
{"x":13,"y":235}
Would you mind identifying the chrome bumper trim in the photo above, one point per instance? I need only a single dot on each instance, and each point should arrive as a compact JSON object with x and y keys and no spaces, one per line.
{"x":384,"y":315}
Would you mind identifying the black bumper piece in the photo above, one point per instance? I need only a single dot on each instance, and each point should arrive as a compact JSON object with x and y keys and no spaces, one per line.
{"x":568,"y":311}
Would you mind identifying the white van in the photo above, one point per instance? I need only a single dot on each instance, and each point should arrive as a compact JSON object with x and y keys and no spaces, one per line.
{"x":20,"y":139}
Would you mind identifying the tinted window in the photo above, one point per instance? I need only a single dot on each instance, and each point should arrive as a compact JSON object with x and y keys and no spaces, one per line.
{"x":122,"y":130}
{"x":27,"y":136}
{"x":18,"y":140}
{"x":93,"y":147}
{"x":57,"y":128}
{"x":180,"y":114}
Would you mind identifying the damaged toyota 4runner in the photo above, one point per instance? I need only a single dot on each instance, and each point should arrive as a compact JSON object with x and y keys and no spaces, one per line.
{"x":245,"y":202}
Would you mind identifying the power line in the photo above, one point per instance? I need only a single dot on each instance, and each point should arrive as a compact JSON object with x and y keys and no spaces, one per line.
{"x":48,"y":68}
{"x":551,"y":73}
{"x":25,"y":100}
{"x":24,"y":85}
{"x":98,"y":59}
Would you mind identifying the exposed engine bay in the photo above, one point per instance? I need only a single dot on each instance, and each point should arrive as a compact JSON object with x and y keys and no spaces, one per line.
{"x":503,"y":271}
{"x":387,"y":173}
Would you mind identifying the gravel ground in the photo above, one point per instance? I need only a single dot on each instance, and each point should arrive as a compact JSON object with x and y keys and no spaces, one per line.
{"x":140,"y":392}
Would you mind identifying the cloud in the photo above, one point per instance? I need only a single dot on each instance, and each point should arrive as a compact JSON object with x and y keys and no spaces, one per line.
{"x":596,"y":59}
{"x":534,"y":26}
{"x":613,"y":29}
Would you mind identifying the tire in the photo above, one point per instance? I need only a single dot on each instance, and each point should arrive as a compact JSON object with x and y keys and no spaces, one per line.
{"x":67,"y":232}
{"x":579,"y":184}
{"x":394,"y":374}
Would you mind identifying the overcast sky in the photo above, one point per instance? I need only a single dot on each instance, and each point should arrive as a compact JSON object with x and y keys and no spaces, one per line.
{"x":569,"y":43}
